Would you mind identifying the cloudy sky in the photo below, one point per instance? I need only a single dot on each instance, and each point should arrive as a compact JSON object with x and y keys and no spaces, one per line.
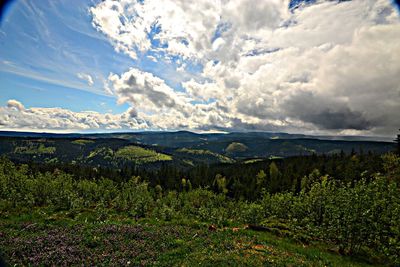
{"x":299,"y":66}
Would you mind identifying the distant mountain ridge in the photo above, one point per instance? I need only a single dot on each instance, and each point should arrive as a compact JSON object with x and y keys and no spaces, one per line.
{"x":182,"y":148}
{"x":188,"y":134}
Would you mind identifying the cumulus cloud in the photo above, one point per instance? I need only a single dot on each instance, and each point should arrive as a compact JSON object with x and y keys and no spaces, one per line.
{"x":146,"y":92}
{"x":16,"y":105}
{"x":322,"y":67}
{"x":204,"y":91}
{"x":180,"y":27}
{"x":15,"y":116}
{"x":325,"y":113}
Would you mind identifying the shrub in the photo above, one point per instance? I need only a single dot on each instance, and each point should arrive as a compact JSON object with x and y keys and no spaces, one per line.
{"x":253,"y":213}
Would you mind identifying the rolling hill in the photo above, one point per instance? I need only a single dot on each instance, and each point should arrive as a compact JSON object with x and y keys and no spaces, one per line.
{"x":181,"y":148}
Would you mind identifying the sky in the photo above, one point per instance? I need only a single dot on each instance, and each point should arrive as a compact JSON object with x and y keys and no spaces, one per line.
{"x":296,"y":66}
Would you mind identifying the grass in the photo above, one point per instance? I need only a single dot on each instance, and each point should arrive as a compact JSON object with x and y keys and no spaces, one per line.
{"x":46,"y":237}
{"x":141,"y":155}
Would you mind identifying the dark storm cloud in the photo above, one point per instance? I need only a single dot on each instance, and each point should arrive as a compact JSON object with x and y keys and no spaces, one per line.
{"x":239,"y":125}
{"x":342,"y":119}
{"x":325,"y":113}
{"x":132,"y":113}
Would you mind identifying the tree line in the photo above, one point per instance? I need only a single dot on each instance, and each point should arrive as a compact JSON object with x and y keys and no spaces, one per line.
{"x":239,"y":180}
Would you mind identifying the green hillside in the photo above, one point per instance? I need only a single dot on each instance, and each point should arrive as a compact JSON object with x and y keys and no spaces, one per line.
{"x":207,"y":155}
{"x":140,"y":155}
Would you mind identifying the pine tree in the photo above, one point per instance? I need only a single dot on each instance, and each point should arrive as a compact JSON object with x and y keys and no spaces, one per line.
{"x":274,"y":175}
{"x":221,"y":183}
{"x":189,"y":185}
{"x":398,"y":143}
{"x":260,"y":178}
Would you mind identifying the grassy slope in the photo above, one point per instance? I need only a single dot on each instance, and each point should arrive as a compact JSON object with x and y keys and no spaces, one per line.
{"x":69,"y":238}
{"x":139,"y":154}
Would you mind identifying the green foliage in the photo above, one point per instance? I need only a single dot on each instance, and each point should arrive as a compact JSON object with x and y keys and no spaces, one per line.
{"x":391,"y":166}
{"x":141,"y":155}
{"x":361,"y":216}
{"x":253,"y":213}
{"x":260,"y":178}
{"x":158,"y":191}
{"x":134,"y":197}
{"x":355,"y":217}
{"x":220,"y":182}
{"x":274,"y":175}
{"x":309,"y":180}
{"x":206,"y":206}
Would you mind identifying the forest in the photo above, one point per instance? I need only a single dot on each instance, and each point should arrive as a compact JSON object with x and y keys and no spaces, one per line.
{"x":335,"y":210}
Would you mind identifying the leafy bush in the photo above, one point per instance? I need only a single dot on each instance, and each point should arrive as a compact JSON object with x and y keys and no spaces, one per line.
{"x":134,"y":197}
{"x":253,"y":213}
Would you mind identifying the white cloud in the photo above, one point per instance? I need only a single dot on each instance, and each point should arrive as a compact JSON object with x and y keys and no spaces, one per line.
{"x":147,"y":92}
{"x":16,"y":105}
{"x":15,"y":116}
{"x":326,"y":67}
{"x":85,"y":77}
{"x":202,"y":91}
{"x":319,"y":67}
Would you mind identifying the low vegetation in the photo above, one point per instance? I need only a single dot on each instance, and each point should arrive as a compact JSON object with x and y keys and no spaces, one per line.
{"x":328,"y":222}
{"x":56,"y":239}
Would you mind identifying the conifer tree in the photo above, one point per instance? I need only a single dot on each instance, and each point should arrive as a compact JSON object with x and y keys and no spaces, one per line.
{"x":274,"y":175}
{"x":398,"y":143}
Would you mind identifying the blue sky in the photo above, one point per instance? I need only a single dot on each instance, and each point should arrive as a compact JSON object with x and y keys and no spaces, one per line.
{"x":45,"y":54}
{"x":163,"y":65}
{"x":48,"y":43}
